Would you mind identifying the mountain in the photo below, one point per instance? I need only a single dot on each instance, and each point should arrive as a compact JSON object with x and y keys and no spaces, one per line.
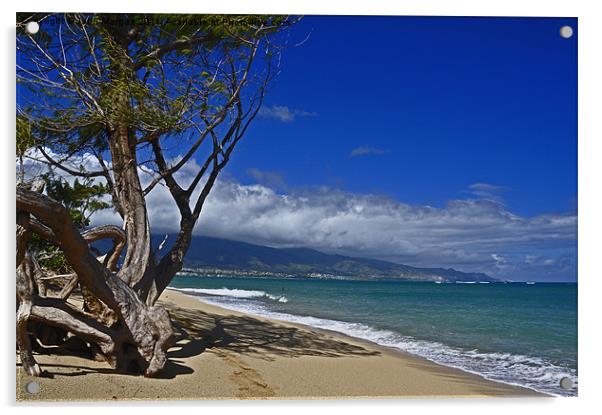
{"x":214,"y":255}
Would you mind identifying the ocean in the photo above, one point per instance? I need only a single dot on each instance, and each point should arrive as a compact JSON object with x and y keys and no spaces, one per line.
{"x":516,"y":333}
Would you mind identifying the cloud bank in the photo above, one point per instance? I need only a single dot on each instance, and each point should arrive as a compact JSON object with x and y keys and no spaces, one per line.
{"x":476,"y":234}
{"x":472,"y":235}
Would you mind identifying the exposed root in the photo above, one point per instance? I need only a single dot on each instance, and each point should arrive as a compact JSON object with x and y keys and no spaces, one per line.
{"x":132,"y":335}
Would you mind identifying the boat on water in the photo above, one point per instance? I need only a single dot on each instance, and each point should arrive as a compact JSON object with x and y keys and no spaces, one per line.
{"x":530,"y":283}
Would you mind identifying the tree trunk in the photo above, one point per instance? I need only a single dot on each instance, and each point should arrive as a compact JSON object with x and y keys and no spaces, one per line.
{"x":25,"y":290}
{"x":131,"y":200}
{"x":142,"y":333}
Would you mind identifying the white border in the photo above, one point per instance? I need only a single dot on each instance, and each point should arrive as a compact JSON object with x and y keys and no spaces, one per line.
{"x":590,"y":203}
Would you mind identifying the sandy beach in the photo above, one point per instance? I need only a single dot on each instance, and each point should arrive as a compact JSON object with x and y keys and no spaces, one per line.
{"x":222,"y":354}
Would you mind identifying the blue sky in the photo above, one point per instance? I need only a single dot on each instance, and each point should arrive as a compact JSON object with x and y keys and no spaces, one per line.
{"x":443,"y":102}
{"x":426,"y":111}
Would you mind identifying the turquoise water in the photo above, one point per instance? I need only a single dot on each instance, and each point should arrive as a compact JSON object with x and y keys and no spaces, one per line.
{"x":515,"y":333}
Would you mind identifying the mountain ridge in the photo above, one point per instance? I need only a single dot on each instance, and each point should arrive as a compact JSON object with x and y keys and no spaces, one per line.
{"x":215,"y":255}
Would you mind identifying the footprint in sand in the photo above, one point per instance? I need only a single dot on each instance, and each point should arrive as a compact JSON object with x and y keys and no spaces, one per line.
{"x":249,"y":381}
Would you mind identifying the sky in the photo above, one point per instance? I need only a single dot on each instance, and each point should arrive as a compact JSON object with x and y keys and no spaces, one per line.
{"x":435,"y":142}
{"x":465,"y":122}
{"x":436,"y":104}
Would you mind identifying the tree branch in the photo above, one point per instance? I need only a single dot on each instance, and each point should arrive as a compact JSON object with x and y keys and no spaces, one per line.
{"x":59,"y":164}
{"x":161,"y":50}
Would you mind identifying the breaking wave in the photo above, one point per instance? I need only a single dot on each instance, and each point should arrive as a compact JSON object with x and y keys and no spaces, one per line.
{"x":236,"y":293}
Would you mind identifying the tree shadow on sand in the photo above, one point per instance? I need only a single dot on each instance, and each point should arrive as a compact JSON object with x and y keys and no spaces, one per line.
{"x":197,"y":331}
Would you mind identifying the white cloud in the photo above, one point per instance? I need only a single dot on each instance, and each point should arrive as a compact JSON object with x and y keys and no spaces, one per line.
{"x":283,"y":113}
{"x":471,"y":235}
{"x":500,"y":261}
{"x":531,"y":259}
{"x":487,"y":191}
{"x":366,"y":150}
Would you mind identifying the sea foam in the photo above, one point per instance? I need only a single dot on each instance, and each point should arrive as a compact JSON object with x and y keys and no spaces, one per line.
{"x":236,"y":293}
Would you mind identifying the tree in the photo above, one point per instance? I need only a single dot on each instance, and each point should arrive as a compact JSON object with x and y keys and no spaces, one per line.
{"x":113,"y":98}
{"x":82,"y":199}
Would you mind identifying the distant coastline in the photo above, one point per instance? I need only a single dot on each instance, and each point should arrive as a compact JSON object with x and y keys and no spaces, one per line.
{"x":215,"y":257}
{"x":242,"y":273}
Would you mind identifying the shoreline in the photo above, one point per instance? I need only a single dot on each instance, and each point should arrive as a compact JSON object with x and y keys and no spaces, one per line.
{"x":365,"y":342}
{"x":225,"y":354}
